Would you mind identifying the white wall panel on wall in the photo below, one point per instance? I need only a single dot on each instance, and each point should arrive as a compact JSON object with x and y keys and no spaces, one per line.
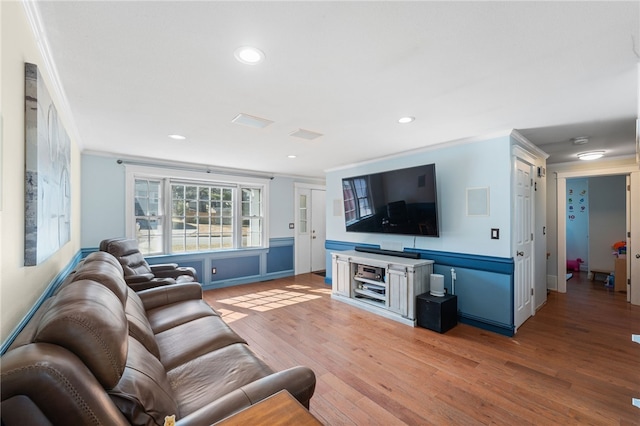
{"x":482,"y":163}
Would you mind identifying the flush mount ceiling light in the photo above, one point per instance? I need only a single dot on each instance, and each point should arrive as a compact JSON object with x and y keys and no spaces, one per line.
{"x":305,"y":134}
{"x":251,"y":121}
{"x":591,"y":155}
{"x":405,"y":120}
{"x":249,"y":55}
{"x":291,"y":156}
{"x":177,"y":137}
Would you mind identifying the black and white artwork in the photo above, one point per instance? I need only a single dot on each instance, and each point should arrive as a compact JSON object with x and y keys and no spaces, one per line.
{"x":47,"y":180}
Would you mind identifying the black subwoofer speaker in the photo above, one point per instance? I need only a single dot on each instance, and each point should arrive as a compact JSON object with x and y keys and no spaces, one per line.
{"x":437,"y":313}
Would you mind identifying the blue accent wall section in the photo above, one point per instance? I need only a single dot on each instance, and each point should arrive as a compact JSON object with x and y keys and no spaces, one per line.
{"x":484,"y":284}
{"x":50,"y":289}
{"x":234,"y":267}
{"x":280,"y":259}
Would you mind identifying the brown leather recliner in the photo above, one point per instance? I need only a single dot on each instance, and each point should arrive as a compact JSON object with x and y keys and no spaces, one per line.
{"x":138,"y":274}
{"x":97,"y":352}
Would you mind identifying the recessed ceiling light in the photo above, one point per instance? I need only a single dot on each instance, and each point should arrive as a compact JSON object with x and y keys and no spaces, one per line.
{"x":249,"y":55}
{"x":591,"y":155}
{"x":291,"y":156}
{"x":177,"y":137}
{"x":405,"y":120}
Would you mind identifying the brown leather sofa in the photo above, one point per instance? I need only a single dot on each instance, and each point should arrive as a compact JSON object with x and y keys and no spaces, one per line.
{"x":97,"y":352}
{"x":138,"y":274}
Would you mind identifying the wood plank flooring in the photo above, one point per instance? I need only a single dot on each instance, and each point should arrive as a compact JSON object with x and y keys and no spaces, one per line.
{"x":572,"y":363}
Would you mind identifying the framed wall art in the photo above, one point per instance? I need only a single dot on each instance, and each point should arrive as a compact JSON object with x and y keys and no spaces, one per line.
{"x":47,"y":175}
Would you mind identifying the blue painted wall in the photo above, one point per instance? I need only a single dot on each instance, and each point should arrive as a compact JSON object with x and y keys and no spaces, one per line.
{"x":484,"y":285}
{"x":459,"y":166}
{"x":484,"y":266}
{"x":103,"y":216}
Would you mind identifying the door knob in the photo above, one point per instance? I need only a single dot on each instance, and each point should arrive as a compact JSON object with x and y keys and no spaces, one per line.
{"x":520,"y":253}
{"x":637,"y":255}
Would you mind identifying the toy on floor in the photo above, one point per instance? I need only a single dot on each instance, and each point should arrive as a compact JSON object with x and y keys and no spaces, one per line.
{"x":574,"y":265}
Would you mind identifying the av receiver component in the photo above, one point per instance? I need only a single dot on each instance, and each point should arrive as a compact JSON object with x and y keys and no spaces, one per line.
{"x":370,"y":273}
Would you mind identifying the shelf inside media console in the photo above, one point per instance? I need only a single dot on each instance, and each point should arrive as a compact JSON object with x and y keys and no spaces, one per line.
{"x":370,"y":294}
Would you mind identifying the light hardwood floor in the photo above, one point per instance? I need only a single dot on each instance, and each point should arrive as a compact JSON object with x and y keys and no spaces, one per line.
{"x":572,"y":363}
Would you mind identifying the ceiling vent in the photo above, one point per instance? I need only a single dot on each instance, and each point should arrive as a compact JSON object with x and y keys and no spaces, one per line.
{"x":305,"y":134}
{"x":251,"y":121}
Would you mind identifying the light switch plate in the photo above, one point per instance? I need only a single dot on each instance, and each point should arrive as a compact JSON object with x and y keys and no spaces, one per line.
{"x":495,"y":233}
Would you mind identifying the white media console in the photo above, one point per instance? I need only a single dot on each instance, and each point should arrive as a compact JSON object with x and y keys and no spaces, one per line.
{"x":383,"y":284}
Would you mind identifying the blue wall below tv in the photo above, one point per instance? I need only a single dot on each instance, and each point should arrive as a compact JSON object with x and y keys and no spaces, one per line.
{"x":484,"y":284}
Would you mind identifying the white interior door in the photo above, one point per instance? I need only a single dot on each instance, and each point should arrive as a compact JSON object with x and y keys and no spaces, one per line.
{"x":633,"y":243}
{"x":310,"y":229}
{"x":318,"y":230}
{"x":523,"y":244}
{"x":303,"y":231}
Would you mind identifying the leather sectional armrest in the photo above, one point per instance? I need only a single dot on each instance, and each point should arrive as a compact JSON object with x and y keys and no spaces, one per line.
{"x":175,"y":273}
{"x":140,"y":278}
{"x":298,"y":381}
{"x":163,"y":267}
{"x":173,"y":293}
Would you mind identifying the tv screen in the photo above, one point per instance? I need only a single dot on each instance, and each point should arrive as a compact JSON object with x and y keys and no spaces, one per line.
{"x":399,"y":201}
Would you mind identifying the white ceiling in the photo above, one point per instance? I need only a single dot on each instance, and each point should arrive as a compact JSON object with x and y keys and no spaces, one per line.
{"x":135,"y":71}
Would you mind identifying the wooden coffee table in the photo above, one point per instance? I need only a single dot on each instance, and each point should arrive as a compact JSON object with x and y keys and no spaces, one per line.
{"x":278,"y":409}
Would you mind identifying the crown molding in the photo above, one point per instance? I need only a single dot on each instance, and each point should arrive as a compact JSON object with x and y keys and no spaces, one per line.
{"x":437,"y":145}
{"x":35,"y":22}
{"x":526,"y":144}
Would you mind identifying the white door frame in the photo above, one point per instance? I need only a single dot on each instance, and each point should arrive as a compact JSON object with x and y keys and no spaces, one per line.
{"x":561,"y":208}
{"x":297,"y":189}
{"x":525,"y":159}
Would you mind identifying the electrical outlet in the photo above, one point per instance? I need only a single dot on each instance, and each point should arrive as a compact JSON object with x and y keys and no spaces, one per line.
{"x":291,"y":226}
{"x":214,"y":271}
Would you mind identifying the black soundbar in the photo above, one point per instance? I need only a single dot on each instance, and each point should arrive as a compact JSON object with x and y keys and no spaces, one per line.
{"x":409,"y":255}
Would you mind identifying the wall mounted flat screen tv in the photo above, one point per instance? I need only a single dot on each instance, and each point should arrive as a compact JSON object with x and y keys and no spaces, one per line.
{"x":401,"y":201}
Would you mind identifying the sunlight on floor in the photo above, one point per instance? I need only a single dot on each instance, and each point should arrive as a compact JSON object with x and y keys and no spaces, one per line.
{"x":266,"y":300}
{"x":229,"y":315}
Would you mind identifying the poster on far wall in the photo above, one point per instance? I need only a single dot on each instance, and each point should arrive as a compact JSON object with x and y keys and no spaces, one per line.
{"x":47,"y":215}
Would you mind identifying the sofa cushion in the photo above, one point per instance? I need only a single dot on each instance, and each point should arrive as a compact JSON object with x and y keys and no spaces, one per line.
{"x":213,"y":375}
{"x":168,"y":316}
{"x":106,"y":274}
{"x":28,"y":333}
{"x":87,"y":319}
{"x":127,"y":253}
{"x":143,"y":394}
{"x":187,"y":341}
{"x":101,"y":256}
{"x":139,"y":327}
